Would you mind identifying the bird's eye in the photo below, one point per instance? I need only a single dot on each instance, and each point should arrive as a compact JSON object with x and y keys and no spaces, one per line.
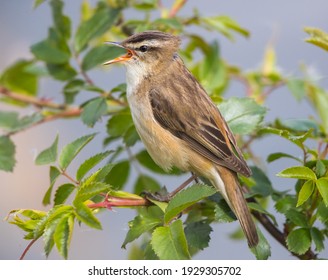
{"x":143,"y":48}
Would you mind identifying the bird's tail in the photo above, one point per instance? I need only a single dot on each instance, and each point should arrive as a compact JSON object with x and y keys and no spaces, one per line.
{"x":233,"y":195}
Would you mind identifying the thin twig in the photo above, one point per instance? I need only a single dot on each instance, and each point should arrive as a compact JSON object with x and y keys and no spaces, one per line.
{"x":28,"y":248}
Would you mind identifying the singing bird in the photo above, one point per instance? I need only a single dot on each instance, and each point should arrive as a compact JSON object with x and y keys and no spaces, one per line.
{"x":178,"y":122}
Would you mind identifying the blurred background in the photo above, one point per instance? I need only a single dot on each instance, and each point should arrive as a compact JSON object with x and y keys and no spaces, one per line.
{"x":278,"y":22}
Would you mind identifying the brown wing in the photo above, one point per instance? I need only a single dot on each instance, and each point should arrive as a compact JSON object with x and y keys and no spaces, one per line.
{"x":193,"y":117}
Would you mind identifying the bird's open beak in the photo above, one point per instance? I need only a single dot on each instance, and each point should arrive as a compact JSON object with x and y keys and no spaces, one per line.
{"x":121,"y":58}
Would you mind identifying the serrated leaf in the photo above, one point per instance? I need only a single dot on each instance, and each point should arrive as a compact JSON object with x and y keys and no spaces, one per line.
{"x":100,"y":54}
{"x":296,"y":217}
{"x":71,"y":150}
{"x":85,"y":215}
{"x":18,"y":80}
{"x":63,"y":233}
{"x":169,"y":242}
{"x":63,"y":192}
{"x":140,"y":224}
{"x":93,"y":111}
{"x":318,"y":239}
{"x":262,"y":250}
{"x":98,"y":24}
{"x":119,"y":174}
{"x":243,"y":115}
{"x":322,"y":185}
{"x":86,"y":166}
{"x":298,"y":172}
{"x":275,"y":156}
{"x":305,"y":192}
{"x":87,"y":191}
{"x":186,"y":198}
{"x":299,"y":240}
{"x":62,"y":23}
{"x":285,"y":203}
{"x":318,"y":37}
{"x":53,"y":174}
{"x":299,"y":125}
{"x":100,"y":175}
{"x":37,"y":3}
{"x":223,"y":213}
{"x":7,"y":154}
{"x":8,"y":120}
{"x":131,"y":136}
{"x":198,"y":234}
{"x":48,"y":155}
{"x":48,"y":225}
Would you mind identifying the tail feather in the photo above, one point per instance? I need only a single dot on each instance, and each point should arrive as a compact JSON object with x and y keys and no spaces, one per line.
{"x":237,"y":203}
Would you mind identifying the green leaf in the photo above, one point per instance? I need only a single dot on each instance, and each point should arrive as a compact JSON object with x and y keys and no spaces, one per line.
{"x":169,"y":242}
{"x":320,"y":168}
{"x":131,"y":136}
{"x":299,"y":125}
{"x":100,"y":54}
{"x":274,"y":156}
{"x":322,"y":213}
{"x":119,"y":124}
{"x":186,"y":198}
{"x":17,"y":79}
{"x":97,"y":25}
{"x":298,"y":172}
{"x":63,"y":233}
{"x":318,"y":239}
{"x":8,"y":120}
{"x":85,"y":215}
{"x":322,"y":185}
{"x":225,"y":25}
{"x":100,"y":175}
{"x":318,"y":37}
{"x":37,"y":3}
{"x":141,"y":224}
{"x":63,"y":192}
{"x":299,"y":240}
{"x":86,"y":166}
{"x":285,"y":203}
{"x":93,"y":111}
{"x":198,"y":234}
{"x":62,"y":23}
{"x":146,"y":183}
{"x":62,"y":72}
{"x":262,"y":251}
{"x":48,"y":155}
{"x":243,"y":115}
{"x":297,"y":218}
{"x":71,"y":150}
{"x":53,"y":174}
{"x":319,"y":99}
{"x":72,"y":88}
{"x":48,"y":52}
{"x":305,"y":192}
{"x":7,"y":154}
{"x":87,"y":191}
{"x":263,"y":184}
{"x":297,"y":88}
{"x":119,"y":174}
{"x":223,"y":213}
{"x":257,"y":207}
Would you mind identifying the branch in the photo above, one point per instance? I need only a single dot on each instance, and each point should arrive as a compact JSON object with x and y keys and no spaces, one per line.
{"x":177,"y":6}
{"x":43,"y":103}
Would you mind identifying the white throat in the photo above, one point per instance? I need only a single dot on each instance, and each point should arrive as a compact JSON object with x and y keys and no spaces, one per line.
{"x":135,"y":73}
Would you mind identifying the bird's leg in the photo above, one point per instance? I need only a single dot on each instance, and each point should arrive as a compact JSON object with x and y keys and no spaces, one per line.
{"x":167,"y":197}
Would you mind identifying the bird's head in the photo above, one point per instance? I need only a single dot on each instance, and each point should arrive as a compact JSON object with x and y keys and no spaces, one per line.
{"x":147,"y":51}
